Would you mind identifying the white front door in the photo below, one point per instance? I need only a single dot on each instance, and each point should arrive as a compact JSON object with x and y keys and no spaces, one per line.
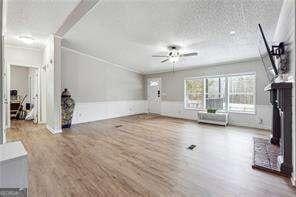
{"x":154,"y":95}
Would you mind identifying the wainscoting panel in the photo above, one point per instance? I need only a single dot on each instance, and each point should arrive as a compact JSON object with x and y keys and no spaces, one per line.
{"x":262,"y":118}
{"x":87,"y":112}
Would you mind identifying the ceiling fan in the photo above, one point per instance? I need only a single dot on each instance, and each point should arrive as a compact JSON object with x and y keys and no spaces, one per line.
{"x":174,"y":55}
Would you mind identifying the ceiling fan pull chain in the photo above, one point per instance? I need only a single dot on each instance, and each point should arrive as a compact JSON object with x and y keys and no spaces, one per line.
{"x":173,"y":67}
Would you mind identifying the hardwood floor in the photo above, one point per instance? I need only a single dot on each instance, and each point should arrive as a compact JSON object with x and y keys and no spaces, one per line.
{"x":146,"y":156}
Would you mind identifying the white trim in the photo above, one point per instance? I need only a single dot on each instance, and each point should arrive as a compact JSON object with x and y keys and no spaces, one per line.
{"x":254,"y":93}
{"x":101,"y":60}
{"x":53,"y":131}
{"x":147,"y":91}
{"x":4,"y":20}
{"x":28,"y":66}
{"x":21,"y":47}
{"x":8,"y":87}
{"x":222,"y":75}
{"x":58,"y":36}
{"x":75,"y":16}
{"x":242,"y":112}
{"x":293,"y":181}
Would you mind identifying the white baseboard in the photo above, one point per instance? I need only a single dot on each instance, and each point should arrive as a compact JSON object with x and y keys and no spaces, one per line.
{"x":88,"y":112}
{"x":53,"y":131}
{"x":293,"y":180}
{"x":176,"y":109}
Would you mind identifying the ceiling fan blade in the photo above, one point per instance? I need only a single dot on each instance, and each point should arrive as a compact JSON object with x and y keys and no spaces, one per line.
{"x":188,"y":54}
{"x":159,"y":56}
{"x":164,"y":60}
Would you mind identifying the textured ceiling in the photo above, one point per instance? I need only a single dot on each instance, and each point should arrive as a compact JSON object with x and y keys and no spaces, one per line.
{"x":129,"y":32}
{"x":36,"y":18}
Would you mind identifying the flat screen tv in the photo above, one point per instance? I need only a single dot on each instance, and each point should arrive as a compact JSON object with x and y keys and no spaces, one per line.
{"x":266,"y":56}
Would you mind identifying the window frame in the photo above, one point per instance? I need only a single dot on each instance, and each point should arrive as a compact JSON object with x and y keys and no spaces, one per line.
{"x":185,"y":93}
{"x":254,"y":93}
{"x":226,"y":92}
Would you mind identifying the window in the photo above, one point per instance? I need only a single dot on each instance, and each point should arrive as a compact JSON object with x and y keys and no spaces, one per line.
{"x":211,"y":93}
{"x":215,"y":93}
{"x":153,"y":83}
{"x":241,"y":94}
{"x":205,"y":93}
{"x":194,"y":93}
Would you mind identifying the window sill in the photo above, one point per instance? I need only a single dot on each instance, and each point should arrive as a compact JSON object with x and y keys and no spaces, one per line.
{"x":241,"y":112}
{"x":185,"y":108}
{"x":230,"y":112}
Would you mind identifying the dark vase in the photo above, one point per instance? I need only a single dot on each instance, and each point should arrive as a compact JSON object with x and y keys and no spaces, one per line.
{"x":68,"y":105}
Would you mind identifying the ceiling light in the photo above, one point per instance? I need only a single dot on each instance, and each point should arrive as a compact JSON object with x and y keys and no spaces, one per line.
{"x":174,"y":59}
{"x":232,"y":32}
{"x":26,"y":39}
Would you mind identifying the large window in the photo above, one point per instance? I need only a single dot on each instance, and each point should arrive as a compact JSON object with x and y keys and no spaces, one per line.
{"x":211,"y":93}
{"x":215,"y":93}
{"x":205,"y":93}
{"x":241,"y":90}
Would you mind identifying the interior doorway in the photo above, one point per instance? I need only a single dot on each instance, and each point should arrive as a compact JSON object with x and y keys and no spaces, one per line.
{"x":21,"y":94}
{"x":154,"y":95}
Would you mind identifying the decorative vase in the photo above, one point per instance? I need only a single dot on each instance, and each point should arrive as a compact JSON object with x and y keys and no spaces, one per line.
{"x":68,"y":105}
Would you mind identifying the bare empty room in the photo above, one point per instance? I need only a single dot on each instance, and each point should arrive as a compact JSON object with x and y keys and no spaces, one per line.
{"x":148,"y":98}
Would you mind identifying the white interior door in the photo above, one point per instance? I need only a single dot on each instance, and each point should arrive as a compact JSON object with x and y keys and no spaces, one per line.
{"x":34,"y":92}
{"x":154,"y":95}
{"x":6,"y":93}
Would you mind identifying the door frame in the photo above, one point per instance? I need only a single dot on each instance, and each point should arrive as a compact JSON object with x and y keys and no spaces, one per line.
{"x":147,"y":92}
{"x":6,"y":97}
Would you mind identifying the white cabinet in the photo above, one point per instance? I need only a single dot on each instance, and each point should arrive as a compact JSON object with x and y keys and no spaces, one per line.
{"x":13,"y":165}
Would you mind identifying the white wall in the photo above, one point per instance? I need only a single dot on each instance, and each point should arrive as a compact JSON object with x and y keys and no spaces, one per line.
{"x":22,"y":56}
{"x":173,"y":92}
{"x":51,"y":74}
{"x":285,"y":32}
{"x":101,"y":90}
{"x":19,"y":76}
{"x":1,"y":82}
{"x":87,"y":112}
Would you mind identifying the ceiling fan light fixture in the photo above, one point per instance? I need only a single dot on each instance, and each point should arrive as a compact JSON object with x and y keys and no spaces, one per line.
{"x":174,"y":56}
{"x":174,"y":59}
{"x":232,"y":32}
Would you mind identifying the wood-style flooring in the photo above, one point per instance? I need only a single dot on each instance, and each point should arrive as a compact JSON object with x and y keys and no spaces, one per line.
{"x":145,"y":156}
